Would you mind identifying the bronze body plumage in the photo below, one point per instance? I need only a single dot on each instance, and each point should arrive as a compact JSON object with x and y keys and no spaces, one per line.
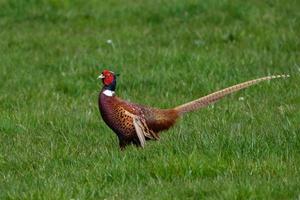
{"x":119,"y":116}
{"x":134,"y":124}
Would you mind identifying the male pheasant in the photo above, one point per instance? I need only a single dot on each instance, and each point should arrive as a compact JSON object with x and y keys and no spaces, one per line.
{"x":134,"y":123}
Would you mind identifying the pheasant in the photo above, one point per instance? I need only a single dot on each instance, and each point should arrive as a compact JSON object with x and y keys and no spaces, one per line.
{"x":134,"y":123}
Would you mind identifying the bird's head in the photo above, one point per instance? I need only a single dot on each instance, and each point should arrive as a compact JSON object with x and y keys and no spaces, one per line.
{"x":108,"y":79}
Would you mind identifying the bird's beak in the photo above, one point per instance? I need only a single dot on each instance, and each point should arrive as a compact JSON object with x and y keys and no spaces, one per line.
{"x":101,"y":76}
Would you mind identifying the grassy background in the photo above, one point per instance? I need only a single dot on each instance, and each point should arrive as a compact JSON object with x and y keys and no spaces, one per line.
{"x":53,"y":144}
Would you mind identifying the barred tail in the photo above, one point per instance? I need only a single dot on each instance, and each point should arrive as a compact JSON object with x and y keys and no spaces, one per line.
{"x":211,"y":98}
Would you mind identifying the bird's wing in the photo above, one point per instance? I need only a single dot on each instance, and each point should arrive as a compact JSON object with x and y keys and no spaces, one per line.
{"x":142,"y":129}
{"x":139,"y":130}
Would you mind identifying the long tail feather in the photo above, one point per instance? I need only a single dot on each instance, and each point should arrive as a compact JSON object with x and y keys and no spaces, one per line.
{"x":211,"y":98}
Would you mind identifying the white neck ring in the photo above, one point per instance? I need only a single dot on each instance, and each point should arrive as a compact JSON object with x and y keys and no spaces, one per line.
{"x":109,"y":93}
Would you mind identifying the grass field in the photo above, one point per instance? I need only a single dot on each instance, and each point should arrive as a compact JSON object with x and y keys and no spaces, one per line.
{"x":54,"y":145}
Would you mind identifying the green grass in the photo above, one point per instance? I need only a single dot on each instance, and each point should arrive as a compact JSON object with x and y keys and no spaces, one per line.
{"x":53,"y":144}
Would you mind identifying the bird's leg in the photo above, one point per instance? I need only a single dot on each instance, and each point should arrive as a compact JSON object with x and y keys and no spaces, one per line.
{"x":122,"y":145}
{"x":136,"y":143}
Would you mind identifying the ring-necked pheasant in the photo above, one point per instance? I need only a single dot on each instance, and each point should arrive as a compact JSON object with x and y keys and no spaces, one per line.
{"x":135,"y":123}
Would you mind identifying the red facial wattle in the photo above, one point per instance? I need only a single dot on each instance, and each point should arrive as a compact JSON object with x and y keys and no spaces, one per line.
{"x":108,"y":79}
